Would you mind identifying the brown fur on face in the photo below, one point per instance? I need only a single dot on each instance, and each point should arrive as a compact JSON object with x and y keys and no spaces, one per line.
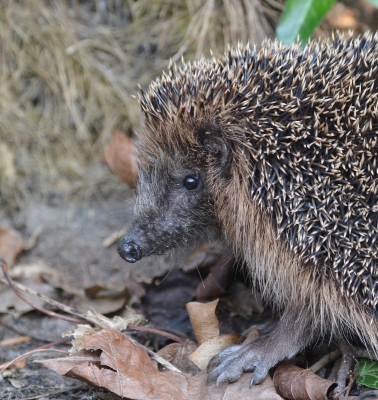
{"x":285,"y":143}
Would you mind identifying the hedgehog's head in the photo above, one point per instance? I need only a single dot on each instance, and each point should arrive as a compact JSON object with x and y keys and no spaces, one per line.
{"x":175,"y":201}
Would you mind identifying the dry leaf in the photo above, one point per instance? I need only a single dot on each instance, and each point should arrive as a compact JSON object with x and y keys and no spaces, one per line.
{"x":101,"y":299}
{"x":11,"y":303}
{"x":206,"y":330}
{"x":203,"y":319}
{"x":11,"y":243}
{"x":30,"y":271}
{"x":211,"y":347}
{"x":108,"y":359}
{"x":16,"y":383}
{"x":294,"y":383}
{"x":120,"y":156}
{"x":178,"y":355}
{"x":107,"y":297}
{"x":234,"y":391}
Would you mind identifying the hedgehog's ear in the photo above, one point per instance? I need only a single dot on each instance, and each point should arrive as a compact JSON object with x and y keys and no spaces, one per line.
{"x":216,"y":147}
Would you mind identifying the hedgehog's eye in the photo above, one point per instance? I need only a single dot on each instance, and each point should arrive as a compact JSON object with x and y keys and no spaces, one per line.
{"x":191,"y":182}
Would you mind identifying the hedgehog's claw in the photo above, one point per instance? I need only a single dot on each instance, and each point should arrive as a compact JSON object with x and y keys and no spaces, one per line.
{"x":221,"y":378}
{"x":233,"y":361}
{"x":217,"y":359}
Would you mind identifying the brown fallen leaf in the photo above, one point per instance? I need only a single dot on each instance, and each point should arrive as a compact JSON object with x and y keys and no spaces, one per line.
{"x":212,"y":347}
{"x":203,"y":354}
{"x":11,"y":243}
{"x":105,"y":297}
{"x":203,"y":319}
{"x":206,"y":330}
{"x":102,"y":299}
{"x":178,"y":355}
{"x":12,"y":303}
{"x":120,"y":156}
{"x":294,"y":383}
{"x":108,"y":359}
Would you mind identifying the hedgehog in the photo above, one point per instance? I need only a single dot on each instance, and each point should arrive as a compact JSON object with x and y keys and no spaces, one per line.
{"x":274,"y":152}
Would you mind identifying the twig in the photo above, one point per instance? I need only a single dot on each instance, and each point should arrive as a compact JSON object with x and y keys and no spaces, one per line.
{"x":27,"y":355}
{"x":352,"y":377}
{"x":325,"y":360}
{"x":33,"y":238}
{"x":17,"y":287}
{"x":157,"y":331}
{"x":333,"y":374}
{"x":14,"y":341}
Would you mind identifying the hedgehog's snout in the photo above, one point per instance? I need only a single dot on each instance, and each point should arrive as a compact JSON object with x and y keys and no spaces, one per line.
{"x":129,"y":250}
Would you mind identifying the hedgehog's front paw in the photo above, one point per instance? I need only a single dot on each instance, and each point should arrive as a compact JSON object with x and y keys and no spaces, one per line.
{"x":228,"y":365}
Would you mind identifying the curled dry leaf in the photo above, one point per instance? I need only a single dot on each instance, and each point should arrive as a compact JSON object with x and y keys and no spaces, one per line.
{"x":120,"y":156}
{"x":206,"y":330}
{"x":203,"y":319}
{"x":212,"y":347}
{"x":108,"y":359}
{"x":294,"y":383}
{"x":11,"y":243}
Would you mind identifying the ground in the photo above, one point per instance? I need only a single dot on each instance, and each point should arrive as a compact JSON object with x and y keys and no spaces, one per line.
{"x":68,"y":73}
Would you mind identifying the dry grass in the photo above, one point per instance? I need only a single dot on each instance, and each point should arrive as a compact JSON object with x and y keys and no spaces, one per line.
{"x":68,"y":70}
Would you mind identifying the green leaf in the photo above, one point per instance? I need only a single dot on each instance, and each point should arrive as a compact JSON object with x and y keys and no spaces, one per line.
{"x":368,"y":373}
{"x":300,"y":18}
{"x":374,"y":2}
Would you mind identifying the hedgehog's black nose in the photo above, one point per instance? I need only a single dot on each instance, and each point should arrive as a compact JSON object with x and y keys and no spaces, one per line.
{"x":129,"y":251}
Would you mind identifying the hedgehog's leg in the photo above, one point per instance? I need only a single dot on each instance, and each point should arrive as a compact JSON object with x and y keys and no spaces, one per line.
{"x":264,"y":353}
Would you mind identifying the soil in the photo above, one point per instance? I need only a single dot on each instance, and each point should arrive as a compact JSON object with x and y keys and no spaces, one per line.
{"x":71,"y":244}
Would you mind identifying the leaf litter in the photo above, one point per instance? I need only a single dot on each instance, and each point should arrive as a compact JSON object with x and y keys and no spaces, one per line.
{"x":106,"y":358}
{"x":109,"y":359}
